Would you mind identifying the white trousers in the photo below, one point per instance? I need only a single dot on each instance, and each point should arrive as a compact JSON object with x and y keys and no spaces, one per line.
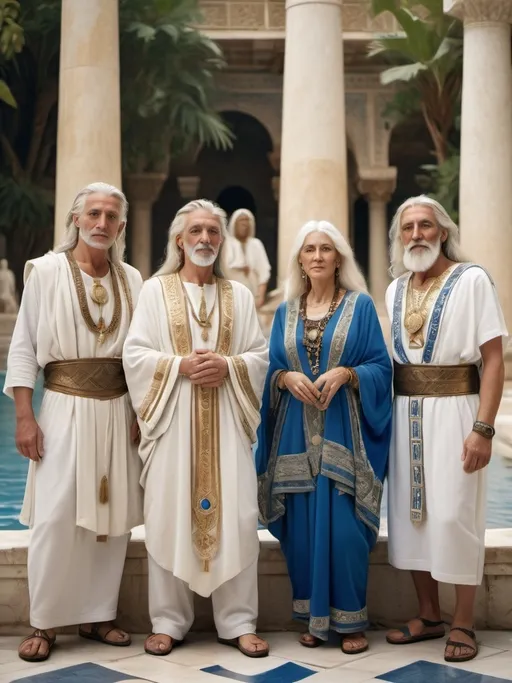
{"x":72,"y":578}
{"x":171,"y":603}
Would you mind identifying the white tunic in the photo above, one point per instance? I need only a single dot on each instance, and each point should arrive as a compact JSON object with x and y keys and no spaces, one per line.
{"x":163,"y":400}
{"x":250,"y":253}
{"x":50,"y":327}
{"x":449,"y":542}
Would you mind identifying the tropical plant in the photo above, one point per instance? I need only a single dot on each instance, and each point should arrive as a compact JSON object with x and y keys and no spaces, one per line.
{"x":167,"y":71}
{"x":166,"y":86}
{"x":11,"y":43}
{"x":426,"y":65}
{"x":28,"y":135}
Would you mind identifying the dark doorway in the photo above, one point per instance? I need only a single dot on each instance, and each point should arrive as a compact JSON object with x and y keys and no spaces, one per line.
{"x":237,"y":197}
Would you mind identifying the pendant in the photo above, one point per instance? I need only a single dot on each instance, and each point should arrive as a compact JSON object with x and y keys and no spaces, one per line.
{"x":99,"y":294}
{"x":101,"y":330}
{"x":313,"y":334}
{"x":204,"y":334}
{"x":414,"y":322}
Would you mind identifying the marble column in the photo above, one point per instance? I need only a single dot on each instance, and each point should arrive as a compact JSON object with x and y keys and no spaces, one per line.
{"x":486,"y":139}
{"x":142,"y":190}
{"x":313,"y":151}
{"x":89,"y":121}
{"x":378,"y":192}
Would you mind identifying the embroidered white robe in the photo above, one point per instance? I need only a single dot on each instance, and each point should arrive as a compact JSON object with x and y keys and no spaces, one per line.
{"x":162,"y":332}
{"x":449,"y":542}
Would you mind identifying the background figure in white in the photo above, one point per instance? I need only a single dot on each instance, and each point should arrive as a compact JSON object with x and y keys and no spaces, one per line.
{"x":247,"y":259}
{"x":82,"y":495}
{"x":444,"y":312}
{"x":8,"y":302}
{"x":195,"y":361}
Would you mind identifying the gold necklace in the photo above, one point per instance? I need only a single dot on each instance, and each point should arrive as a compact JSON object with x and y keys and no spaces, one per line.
{"x":204,"y":321}
{"x":100,"y":296}
{"x":418,"y":306}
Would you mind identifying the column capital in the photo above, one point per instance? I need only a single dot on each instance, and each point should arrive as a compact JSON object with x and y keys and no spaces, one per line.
{"x":377,"y":184}
{"x":294,"y":3}
{"x":478,"y":11}
{"x":144,"y":187}
{"x":188,"y":186}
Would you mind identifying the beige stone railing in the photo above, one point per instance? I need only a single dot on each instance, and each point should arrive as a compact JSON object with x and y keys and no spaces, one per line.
{"x":391,"y":597}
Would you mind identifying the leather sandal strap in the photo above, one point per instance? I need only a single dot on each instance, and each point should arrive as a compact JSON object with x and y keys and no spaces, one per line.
{"x":430,"y":624}
{"x":467,"y":631}
{"x":38,"y":633}
{"x":456,"y":643}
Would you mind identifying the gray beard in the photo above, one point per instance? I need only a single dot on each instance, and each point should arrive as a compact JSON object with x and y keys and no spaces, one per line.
{"x":201,"y":261}
{"x":421,"y":262}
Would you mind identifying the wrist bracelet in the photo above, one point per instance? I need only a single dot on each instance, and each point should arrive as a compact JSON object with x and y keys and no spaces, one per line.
{"x":484,"y":429}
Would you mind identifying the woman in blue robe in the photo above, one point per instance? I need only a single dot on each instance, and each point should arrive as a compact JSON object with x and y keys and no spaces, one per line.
{"x":324,"y":436}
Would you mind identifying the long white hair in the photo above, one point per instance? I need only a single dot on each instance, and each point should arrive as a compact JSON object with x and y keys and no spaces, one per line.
{"x":242,"y":213}
{"x":450,"y":247}
{"x":174,"y":259}
{"x":116,"y":251}
{"x":349,"y":275}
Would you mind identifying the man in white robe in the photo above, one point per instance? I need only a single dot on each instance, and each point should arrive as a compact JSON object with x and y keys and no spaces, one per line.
{"x":247,"y":259}
{"x":195,"y":362}
{"x":447,"y":332}
{"x":83,"y":494}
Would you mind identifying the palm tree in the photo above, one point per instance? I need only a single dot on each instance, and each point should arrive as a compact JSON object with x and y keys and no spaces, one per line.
{"x":167,"y":72}
{"x":426,"y":59}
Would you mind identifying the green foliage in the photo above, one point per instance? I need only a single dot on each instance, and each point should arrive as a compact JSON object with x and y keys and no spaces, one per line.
{"x":167,"y":71}
{"x":11,"y":43}
{"x":425,"y":65}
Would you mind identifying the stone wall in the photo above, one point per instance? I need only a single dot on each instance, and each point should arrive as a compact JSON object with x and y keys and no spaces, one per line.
{"x":391,"y":598}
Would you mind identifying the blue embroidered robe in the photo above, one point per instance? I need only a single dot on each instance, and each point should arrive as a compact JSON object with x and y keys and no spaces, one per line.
{"x":320,"y":473}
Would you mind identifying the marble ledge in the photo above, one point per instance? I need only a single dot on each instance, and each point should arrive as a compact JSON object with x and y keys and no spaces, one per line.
{"x":391,"y":597}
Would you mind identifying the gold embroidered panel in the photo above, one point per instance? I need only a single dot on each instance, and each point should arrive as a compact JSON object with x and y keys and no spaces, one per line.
{"x":269,"y":15}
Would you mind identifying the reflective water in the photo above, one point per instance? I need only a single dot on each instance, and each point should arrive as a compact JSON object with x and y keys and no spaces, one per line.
{"x":13,"y":470}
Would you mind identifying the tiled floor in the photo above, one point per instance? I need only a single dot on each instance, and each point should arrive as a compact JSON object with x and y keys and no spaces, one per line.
{"x":203,"y":660}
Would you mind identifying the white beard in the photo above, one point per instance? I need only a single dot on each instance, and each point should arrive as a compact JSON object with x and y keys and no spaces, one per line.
{"x":421,"y":261}
{"x":93,"y":242}
{"x":199,"y":259}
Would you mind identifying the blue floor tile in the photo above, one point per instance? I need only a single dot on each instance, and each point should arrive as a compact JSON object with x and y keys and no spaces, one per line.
{"x":81,"y":673}
{"x":428,"y":672}
{"x":288,"y":673}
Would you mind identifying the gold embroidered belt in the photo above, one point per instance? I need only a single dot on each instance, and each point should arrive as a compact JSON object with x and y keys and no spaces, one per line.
{"x":99,"y":378}
{"x":436,"y":380}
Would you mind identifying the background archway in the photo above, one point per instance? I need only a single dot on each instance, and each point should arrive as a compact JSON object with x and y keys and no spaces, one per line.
{"x":236,"y":197}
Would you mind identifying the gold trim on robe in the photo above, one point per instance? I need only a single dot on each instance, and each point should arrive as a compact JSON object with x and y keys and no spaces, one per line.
{"x":206,"y":484}
{"x":242,"y":375}
{"x":155,"y":392}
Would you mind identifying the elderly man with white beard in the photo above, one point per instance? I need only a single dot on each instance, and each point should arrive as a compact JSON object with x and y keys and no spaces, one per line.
{"x":447,"y":336}
{"x":83,"y":494}
{"x":195,"y":361}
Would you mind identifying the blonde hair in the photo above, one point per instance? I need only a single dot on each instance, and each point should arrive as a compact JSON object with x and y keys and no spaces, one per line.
{"x":117,"y":250}
{"x":242,"y":213}
{"x":174,"y":255}
{"x":450,"y":247}
{"x":349,"y":275}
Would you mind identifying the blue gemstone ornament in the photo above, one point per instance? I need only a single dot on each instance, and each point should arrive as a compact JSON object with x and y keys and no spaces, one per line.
{"x":205,"y":504}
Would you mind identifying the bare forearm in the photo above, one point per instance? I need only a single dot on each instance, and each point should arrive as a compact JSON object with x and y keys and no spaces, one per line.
{"x":23,"y":402}
{"x":491,"y":389}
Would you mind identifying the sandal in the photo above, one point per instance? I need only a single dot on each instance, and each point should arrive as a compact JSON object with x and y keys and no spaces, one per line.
{"x":94,"y":634}
{"x":309,"y":640}
{"x":38,"y":633}
{"x":161,"y":653}
{"x":410,"y":638}
{"x":235,"y":642}
{"x":355,"y":650}
{"x":460,"y":645}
